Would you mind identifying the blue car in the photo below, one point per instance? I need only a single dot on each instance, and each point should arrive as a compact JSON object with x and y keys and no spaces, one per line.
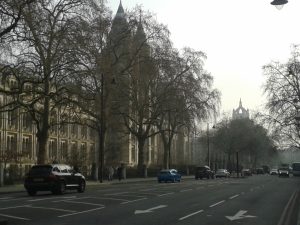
{"x":168,"y":175}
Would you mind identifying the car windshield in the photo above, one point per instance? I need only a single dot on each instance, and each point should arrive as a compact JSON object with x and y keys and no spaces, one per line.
{"x":40,"y":170}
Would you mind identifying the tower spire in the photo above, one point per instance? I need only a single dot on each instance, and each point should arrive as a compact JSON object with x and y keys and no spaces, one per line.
{"x":120,"y":11}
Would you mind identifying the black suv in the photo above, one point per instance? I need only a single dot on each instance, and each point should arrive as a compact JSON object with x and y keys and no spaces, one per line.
{"x":53,"y":177}
{"x":204,"y":172}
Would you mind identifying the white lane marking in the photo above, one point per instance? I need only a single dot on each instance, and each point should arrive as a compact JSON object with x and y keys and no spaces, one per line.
{"x":114,"y":199}
{"x":186,"y":190}
{"x":55,"y":209}
{"x":149,"y":210}
{"x":140,"y":199}
{"x":149,"y":189}
{"x":71,"y":214}
{"x":192,"y":214}
{"x":71,"y":199}
{"x":232,"y":197}
{"x":14,"y":207}
{"x":14,"y":217}
{"x":218,"y":203}
{"x":239,"y":215}
{"x":42,"y":199}
{"x":4,"y":198}
{"x":85,"y":203}
{"x":170,"y":193}
{"x":120,"y":193}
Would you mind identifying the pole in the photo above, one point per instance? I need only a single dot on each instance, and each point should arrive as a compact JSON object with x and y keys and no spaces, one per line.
{"x":237,"y":164}
{"x":208,"y":153}
{"x":169,"y":146}
{"x":101,"y":153}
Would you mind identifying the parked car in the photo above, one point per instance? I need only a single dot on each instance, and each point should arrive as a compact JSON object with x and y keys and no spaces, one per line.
{"x":283,"y":172}
{"x":168,"y":175}
{"x":260,"y":171}
{"x":222,"y":173}
{"x":204,"y":172}
{"x":274,"y":172}
{"x":246,"y":172}
{"x":53,"y":177}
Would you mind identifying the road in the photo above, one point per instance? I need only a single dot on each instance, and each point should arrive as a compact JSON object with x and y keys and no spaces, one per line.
{"x":259,"y":200}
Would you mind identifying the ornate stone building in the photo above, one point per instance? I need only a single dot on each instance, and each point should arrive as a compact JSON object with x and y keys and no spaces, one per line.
{"x":240,"y":112}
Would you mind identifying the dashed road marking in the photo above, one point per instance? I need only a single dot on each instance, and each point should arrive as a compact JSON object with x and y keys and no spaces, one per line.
{"x":86,"y":211}
{"x":218,"y":203}
{"x":170,"y":193}
{"x":185,"y":190}
{"x":234,"y":196}
{"x":192,"y":214}
{"x":136,"y":200}
{"x":14,"y":217}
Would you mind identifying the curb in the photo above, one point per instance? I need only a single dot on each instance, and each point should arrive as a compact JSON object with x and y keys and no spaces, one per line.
{"x":289,"y":215}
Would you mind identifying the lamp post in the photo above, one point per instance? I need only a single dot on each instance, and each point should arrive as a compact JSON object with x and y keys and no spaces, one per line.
{"x":208,"y":150}
{"x":101,"y":141}
{"x":279,"y":3}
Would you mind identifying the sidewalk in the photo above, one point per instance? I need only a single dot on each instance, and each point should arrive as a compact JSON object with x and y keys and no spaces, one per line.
{"x":19,"y":188}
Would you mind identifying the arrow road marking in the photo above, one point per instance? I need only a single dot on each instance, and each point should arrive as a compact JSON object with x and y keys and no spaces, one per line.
{"x":149,"y":210}
{"x":239,"y":215}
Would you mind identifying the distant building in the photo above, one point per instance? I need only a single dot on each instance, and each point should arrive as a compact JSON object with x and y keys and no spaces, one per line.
{"x":240,"y":112}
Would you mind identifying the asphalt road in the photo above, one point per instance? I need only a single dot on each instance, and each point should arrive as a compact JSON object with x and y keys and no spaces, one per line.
{"x":260,"y":200}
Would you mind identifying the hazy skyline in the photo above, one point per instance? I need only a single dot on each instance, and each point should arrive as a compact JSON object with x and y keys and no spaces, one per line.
{"x":238,"y":38}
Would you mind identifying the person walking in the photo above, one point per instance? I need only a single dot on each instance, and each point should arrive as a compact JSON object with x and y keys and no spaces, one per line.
{"x":110,"y":173}
{"x":119,"y":173}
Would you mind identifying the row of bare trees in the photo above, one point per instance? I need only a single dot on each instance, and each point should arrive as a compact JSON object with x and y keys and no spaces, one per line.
{"x":66,"y":54}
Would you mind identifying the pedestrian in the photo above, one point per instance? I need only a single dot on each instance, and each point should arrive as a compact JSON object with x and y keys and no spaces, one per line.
{"x":119,"y":173}
{"x":110,"y":173}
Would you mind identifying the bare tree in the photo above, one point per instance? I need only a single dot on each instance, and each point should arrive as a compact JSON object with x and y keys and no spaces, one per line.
{"x":40,"y":61}
{"x":282,"y":87}
{"x":188,"y":97}
{"x":10,"y":14}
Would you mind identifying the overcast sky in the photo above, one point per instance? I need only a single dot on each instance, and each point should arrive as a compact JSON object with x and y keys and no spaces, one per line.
{"x":238,"y":36}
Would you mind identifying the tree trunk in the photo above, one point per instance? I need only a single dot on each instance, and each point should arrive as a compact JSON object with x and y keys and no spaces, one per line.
{"x":142,"y":168}
{"x":42,"y":138}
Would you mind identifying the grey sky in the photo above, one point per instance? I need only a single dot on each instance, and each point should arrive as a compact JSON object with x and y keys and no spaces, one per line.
{"x":238,"y":36}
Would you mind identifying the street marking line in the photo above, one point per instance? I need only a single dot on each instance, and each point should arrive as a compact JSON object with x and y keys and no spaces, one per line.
{"x":14,"y":207}
{"x":120,"y":193}
{"x":70,"y":199}
{"x":232,"y":197}
{"x":114,"y":199}
{"x":149,"y":189}
{"x":85,"y":203}
{"x":186,"y":190}
{"x":86,"y":211}
{"x":218,"y":203}
{"x":140,"y":199}
{"x":14,"y":217}
{"x":170,"y":193}
{"x":4,"y":198}
{"x":55,"y":209}
{"x":192,"y":214}
{"x":42,"y":199}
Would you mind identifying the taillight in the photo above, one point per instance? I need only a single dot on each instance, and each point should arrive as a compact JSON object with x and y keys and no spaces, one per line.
{"x":52,"y":176}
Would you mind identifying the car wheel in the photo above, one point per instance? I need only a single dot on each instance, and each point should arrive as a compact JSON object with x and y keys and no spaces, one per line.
{"x":31,"y":192}
{"x":81,"y":187}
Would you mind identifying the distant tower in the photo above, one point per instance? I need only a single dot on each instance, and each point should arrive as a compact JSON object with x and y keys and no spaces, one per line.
{"x":240,"y":112}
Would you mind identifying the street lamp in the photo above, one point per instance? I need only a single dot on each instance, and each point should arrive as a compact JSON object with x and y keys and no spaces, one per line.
{"x":279,"y":3}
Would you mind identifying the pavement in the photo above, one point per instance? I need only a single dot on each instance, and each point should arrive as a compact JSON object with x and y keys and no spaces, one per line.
{"x":17,"y":188}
